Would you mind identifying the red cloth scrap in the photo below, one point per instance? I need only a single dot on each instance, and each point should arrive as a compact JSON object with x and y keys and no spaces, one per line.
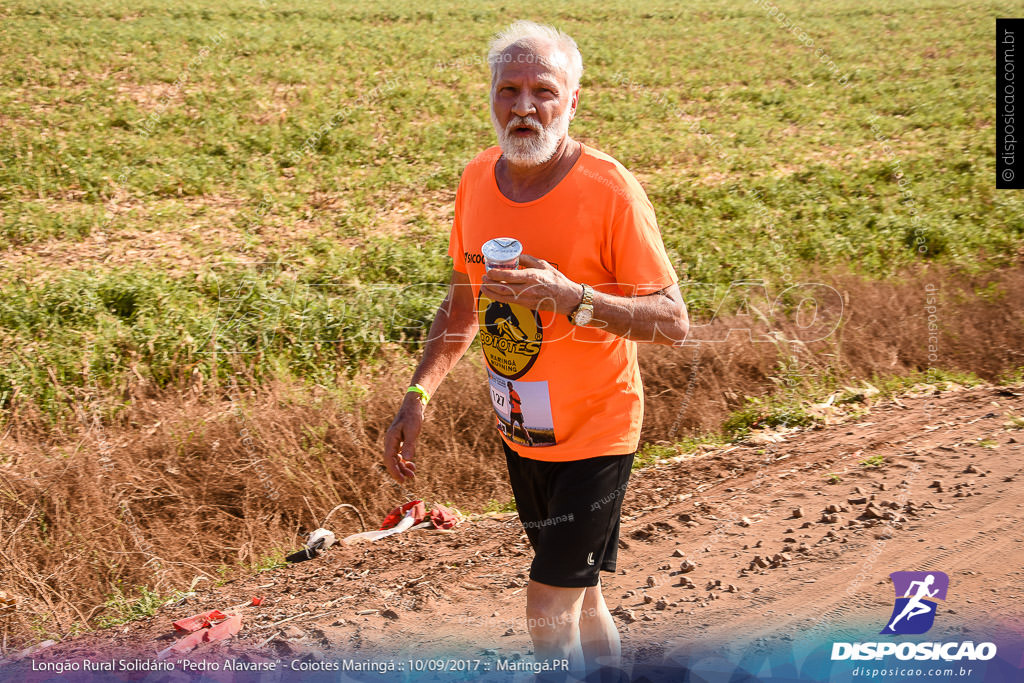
{"x":443,"y":517}
{"x":396,"y":515}
{"x":198,"y":621}
{"x":440,"y":516}
{"x":229,"y":625}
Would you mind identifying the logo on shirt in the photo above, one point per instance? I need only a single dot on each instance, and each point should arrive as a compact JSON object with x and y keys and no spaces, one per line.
{"x":511,"y":335}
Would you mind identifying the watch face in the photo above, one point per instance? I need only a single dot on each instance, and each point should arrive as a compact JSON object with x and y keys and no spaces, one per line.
{"x":583,"y":316}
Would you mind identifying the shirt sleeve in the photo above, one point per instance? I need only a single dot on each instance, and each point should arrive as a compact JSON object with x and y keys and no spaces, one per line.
{"x":639,"y":261}
{"x":455,"y":249}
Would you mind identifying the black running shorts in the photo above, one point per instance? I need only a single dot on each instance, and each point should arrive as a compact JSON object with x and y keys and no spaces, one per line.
{"x":570,"y":511}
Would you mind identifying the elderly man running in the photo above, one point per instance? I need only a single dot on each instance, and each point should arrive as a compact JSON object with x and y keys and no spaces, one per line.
{"x":594,"y":279}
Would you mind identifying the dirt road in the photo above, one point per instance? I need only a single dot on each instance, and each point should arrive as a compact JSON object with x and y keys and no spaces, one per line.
{"x":785,"y":537}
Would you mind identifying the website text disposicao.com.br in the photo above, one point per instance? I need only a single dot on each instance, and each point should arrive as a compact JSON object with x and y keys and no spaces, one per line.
{"x":960,"y":658}
{"x":869,"y":672}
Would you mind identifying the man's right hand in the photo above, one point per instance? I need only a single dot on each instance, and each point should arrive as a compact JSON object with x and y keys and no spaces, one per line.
{"x":400,"y":439}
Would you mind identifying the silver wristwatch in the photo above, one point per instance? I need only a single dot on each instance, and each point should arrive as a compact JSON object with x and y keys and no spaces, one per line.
{"x":584,"y":313}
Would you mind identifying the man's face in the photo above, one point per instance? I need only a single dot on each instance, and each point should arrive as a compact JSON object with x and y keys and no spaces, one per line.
{"x":531,"y":105}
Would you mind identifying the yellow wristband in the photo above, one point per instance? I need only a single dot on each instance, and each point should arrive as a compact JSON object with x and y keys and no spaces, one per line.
{"x":417,"y":389}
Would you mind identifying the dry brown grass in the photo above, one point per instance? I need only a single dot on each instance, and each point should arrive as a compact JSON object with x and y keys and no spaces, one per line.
{"x":184,"y":482}
{"x":884,"y":332}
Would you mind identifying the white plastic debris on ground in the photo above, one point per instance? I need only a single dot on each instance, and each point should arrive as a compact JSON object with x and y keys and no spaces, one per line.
{"x":407,"y":522}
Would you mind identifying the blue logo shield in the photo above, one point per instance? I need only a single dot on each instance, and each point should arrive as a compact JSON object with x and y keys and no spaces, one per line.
{"x":916,"y":595}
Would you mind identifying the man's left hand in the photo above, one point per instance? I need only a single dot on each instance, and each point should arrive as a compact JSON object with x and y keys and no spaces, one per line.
{"x":537,"y":285}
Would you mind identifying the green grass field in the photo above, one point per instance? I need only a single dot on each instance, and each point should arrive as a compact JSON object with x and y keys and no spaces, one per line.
{"x":202,"y":188}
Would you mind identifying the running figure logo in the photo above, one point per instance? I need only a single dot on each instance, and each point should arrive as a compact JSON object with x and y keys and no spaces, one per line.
{"x":916,"y":592}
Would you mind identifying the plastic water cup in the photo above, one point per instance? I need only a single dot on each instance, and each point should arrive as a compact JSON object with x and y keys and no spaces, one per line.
{"x":501,"y":252}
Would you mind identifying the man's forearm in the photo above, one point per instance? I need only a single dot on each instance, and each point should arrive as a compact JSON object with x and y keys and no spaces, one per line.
{"x":654,"y":318}
{"x":450,"y":336}
{"x":660,"y":317}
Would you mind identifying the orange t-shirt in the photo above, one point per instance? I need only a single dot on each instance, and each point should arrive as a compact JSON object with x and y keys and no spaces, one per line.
{"x":578,"y":388}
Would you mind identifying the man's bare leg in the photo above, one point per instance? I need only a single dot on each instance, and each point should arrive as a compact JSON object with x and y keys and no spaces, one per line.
{"x":553,"y":618}
{"x":598,"y":636}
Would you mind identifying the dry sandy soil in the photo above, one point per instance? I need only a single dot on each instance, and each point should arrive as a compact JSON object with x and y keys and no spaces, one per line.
{"x":461,"y":593}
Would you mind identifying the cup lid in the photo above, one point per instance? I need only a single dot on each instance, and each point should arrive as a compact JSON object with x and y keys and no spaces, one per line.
{"x":501,"y":249}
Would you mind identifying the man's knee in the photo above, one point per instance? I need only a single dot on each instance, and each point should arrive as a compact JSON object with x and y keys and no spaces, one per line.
{"x":549,"y":624}
{"x":547,"y":614}
{"x":551,"y":607}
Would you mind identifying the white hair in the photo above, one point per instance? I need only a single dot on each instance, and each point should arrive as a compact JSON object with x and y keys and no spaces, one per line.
{"x":530,"y":35}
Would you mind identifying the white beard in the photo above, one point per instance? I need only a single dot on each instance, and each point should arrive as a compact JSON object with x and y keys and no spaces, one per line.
{"x":534,"y":150}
